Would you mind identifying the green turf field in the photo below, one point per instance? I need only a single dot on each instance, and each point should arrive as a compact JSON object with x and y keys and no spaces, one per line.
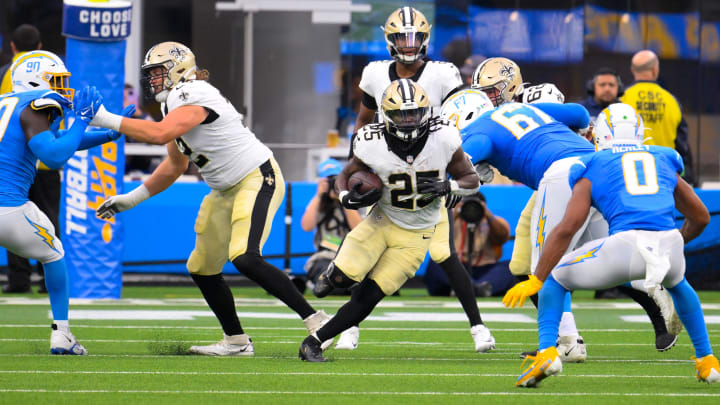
{"x":418,"y":349}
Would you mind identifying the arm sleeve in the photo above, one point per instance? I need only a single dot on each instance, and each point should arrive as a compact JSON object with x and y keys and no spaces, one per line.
{"x":478,"y":146}
{"x":369,"y":102}
{"x":93,"y":138}
{"x":682,"y":146}
{"x":571,"y":114}
{"x":53,"y":151}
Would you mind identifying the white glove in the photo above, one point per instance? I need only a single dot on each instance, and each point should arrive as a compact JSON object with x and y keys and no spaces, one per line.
{"x":485,"y":172}
{"x":122,"y":202}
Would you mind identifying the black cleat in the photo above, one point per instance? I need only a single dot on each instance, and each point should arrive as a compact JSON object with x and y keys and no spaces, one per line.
{"x":311,"y":351}
{"x":322,"y":286}
{"x":524,"y":355}
{"x":665,"y":341}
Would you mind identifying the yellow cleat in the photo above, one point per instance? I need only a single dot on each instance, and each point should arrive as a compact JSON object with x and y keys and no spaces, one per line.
{"x":546,"y":363}
{"x":707,"y":369}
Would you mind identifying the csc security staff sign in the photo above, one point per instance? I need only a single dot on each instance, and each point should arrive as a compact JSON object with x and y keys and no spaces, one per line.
{"x":96,"y":33}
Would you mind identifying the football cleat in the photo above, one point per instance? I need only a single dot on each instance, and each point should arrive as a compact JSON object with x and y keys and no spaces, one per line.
{"x":65,"y":343}
{"x":707,"y":369}
{"x":484,"y":340}
{"x":311,"y":351}
{"x":665,"y":341}
{"x":667,"y":307}
{"x":236,"y":345}
{"x":571,"y":349}
{"x":322,"y":286}
{"x":546,"y":363}
{"x":524,"y":355}
{"x":314,"y":322}
{"x":348,"y":339}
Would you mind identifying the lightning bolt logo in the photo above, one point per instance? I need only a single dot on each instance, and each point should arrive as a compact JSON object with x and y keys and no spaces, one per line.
{"x":590,"y":254}
{"x":541,"y":227}
{"x":42,"y":232}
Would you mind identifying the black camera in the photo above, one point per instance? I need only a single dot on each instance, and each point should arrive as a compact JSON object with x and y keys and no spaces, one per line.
{"x":472,"y":210}
{"x":331,"y":183}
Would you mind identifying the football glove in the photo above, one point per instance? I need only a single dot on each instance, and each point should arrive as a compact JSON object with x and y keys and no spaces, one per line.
{"x":433,"y":187}
{"x":452,"y":200}
{"x":122,"y":202}
{"x":354,"y":200}
{"x":86,"y":103}
{"x":485,"y":172}
{"x":521,"y":291}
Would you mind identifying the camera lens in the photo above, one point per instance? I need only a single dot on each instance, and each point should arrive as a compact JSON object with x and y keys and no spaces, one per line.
{"x":472,"y":209}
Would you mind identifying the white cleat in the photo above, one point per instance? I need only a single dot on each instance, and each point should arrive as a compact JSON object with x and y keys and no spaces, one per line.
{"x":667,"y":307}
{"x":236,"y":345}
{"x":484,"y":340}
{"x":314,"y":322}
{"x":65,"y":343}
{"x":571,"y":349}
{"x":348,"y":339}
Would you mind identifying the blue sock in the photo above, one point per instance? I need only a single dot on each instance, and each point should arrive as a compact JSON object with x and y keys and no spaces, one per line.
{"x":56,"y":282}
{"x":550,"y":308}
{"x":687,"y":305}
{"x":567,"y":303}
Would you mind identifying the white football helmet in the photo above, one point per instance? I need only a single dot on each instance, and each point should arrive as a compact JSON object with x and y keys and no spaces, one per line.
{"x":178,"y":62}
{"x":463,"y":107}
{"x":618,"y":122}
{"x":542,"y":93}
{"x":41,"y":70}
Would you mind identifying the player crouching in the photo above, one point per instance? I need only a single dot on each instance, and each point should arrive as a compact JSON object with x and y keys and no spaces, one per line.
{"x":412,"y":154}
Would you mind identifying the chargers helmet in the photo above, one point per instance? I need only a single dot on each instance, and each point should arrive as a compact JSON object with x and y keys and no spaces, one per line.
{"x":463,"y":107}
{"x":178,"y":62}
{"x":407,"y":33}
{"x":38,"y":70}
{"x":618,"y":122}
{"x":405,"y":110}
{"x":542,"y":93}
{"x":500,"y":78}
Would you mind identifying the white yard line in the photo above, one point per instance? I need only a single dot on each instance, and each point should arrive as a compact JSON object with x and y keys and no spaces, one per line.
{"x":384,"y":393}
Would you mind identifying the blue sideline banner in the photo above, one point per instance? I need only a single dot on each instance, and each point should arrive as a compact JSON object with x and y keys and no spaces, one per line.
{"x":96,"y":33}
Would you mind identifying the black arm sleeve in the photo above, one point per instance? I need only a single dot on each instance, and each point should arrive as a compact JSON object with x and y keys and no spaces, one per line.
{"x":682,"y":146}
{"x":369,"y":102}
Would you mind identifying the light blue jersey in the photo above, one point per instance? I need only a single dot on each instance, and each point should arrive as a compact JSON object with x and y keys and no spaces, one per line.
{"x":17,"y":161}
{"x":632,"y":185}
{"x":522,"y":141}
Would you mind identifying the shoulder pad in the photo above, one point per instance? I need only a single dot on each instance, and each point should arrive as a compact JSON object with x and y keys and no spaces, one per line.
{"x":48,"y":103}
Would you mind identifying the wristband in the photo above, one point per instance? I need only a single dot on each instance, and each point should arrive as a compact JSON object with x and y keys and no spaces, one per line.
{"x":106,"y":119}
{"x":139,"y":195}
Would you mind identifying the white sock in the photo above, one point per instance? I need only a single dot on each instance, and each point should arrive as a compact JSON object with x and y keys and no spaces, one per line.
{"x":63,"y":326}
{"x":567,"y":325}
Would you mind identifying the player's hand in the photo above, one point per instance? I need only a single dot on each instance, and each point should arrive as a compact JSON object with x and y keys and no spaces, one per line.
{"x":113,"y":205}
{"x":354,"y":200}
{"x":452,"y":200}
{"x":485,"y":172}
{"x":521,"y":291}
{"x":433,"y":188}
{"x":86,"y":103}
{"x":128,"y":111}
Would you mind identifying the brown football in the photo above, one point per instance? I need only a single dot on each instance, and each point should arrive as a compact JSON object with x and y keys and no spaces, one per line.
{"x":369,"y":180}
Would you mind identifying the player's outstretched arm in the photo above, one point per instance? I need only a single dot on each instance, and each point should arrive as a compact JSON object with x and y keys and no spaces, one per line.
{"x":95,"y":137}
{"x":689,"y":204}
{"x":52,"y":150}
{"x":164,"y":175}
{"x":477,"y":145}
{"x":177,"y":123}
{"x":571,"y":114}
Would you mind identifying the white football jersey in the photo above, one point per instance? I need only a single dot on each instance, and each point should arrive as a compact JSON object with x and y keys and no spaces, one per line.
{"x":438,"y":79}
{"x":222,"y":147}
{"x":400,"y":200}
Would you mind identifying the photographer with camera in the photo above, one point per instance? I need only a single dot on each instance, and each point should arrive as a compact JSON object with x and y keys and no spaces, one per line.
{"x":326,"y":215}
{"x":479,"y":237}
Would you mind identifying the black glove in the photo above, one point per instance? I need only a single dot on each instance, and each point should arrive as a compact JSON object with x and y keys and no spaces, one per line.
{"x":452,"y":200}
{"x":432,"y":188}
{"x":353,"y":199}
